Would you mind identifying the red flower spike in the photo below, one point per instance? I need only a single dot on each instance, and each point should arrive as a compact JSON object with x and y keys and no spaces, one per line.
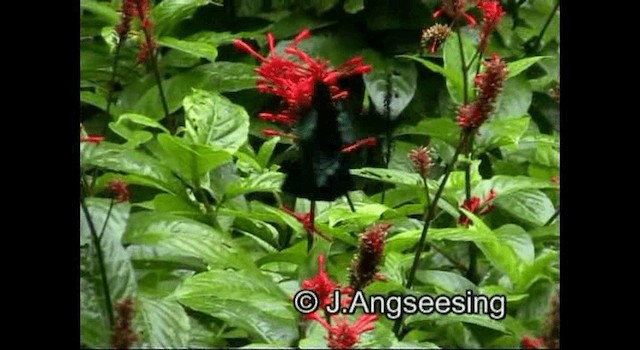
{"x":292,"y":76}
{"x":305,"y":220}
{"x":476,"y":206}
{"x":342,"y":335}
{"x":120,"y":190}
{"x":533,"y":343}
{"x":369,"y":141}
{"x":421,"y":160}
{"x":492,"y":12}
{"x":271,"y":132}
{"x":489,"y":84}
{"x":455,"y":10}
{"x":97,"y":139}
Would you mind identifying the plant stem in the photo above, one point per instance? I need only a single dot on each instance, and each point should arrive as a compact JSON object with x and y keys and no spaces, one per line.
{"x":546,"y":25}
{"x":427,"y":218}
{"x":112,"y":82}
{"x":553,"y":217}
{"x":171,"y":125}
{"x":104,"y":226}
{"x":353,"y":208}
{"x":312,"y":218}
{"x":103,"y":271}
{"x":387,"y":117}
{"x":464,"y":67}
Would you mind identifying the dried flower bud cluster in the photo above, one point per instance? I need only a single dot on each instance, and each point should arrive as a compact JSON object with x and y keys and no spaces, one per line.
{"x":489,"y":84}
{"x":366,"y":263}
{"x":434,"y":36}
{"x":421,"y":160}
{"x":124,"y":335}
{"x":120,"y":190}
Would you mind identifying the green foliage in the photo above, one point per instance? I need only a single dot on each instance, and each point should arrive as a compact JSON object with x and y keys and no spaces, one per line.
{"x":202,"y":245}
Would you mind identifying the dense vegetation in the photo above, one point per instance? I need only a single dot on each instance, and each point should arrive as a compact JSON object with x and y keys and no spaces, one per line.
{"x":445,"y":116}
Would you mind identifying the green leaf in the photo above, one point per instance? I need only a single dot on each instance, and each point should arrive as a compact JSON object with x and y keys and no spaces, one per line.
{"x":103,"y":11}
{"x":545,"y":267}
{"x":426,"y":63}
{"x":211,"y":119}
{"x":514,"y":99}
{"x":169,"y":13}
{"x":364,"y":214}
{"x":391,"y":79}
{"x":191,"y":161}
{"x":407,"y":239}
{"x":215,"y":76}
{"x":198,"y":49}
{"x":531,"y":206}
{"x":353,"y":6}
{"x":445,"y":282}
{"x":480,"y":320}
{"x":397,"y":177}
{"x":118,"y":269}
{"x":501,"y":132}
{"x":505,"y":185}
{"x":165,"y":324}
{"x":440,"y":128}
{"x":145,"y":170}
{"x":267,"y":182}
{"x":130,"y":127}
{"x":266,"y":151}
{"x":520,"y":66}
{"x":247,"y":300}
{"x":518,"y":240}
{"x":98,"y":101}
{"x":181,"y":237}
{"x":453,"y":67}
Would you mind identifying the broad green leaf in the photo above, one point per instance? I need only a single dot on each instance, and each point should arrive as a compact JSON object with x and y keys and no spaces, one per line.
{"x":180,"y":206}
{"x":445,"y":282}
{"x":518,"y":240}
{"x":191,"y":161}
{"x":169,"y":13}
{"x":514,"y":99}
{"x":215,"y":76}
{"x":143,"y":169}
{"x":481,"y":320}
{"x":545,"y":267}
{"x":546,"y":233}
{"x":353,"y":6}
{"x":165,"y":324}
{"x":99,"y":101}
{"x":182,"y":237}
{"x":198,"y":49}
{"x":266,"y":182}
{"x":501,"y":132}
{"x":390,"y":80}
{"x":130,"y":127}
{"x":103,"y":11}
{"x":266,"y":151}
{"x":453,"y":67}
{"x":440,"y":128}
{"x":211,"y":119}
{"x":531,"y":206}
{"x":408,"y":239}
{"x":119,"y":272}
{"x":247,"y":300}
{"x":520,"y":66}
{"x":397,"y":177}
{"x":364,"y":214}
{"x":426,"y":63}
{"x":505,"y":185}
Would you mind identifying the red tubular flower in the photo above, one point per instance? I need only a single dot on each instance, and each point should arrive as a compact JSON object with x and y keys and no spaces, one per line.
{"x":533,"y":343}
{"x":307,"y":221}
{"x":97,"y":139}
{"x":293,"y":74}
{"x":120,"y":190}
{"x":455,"y":10}
{"x":477,"y":207}
{"x":492,"y":12}
{"x":489,"y":84}
{"x":342,"y":335}
{"x":321,"y":284}
{"x":369,"y":141}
